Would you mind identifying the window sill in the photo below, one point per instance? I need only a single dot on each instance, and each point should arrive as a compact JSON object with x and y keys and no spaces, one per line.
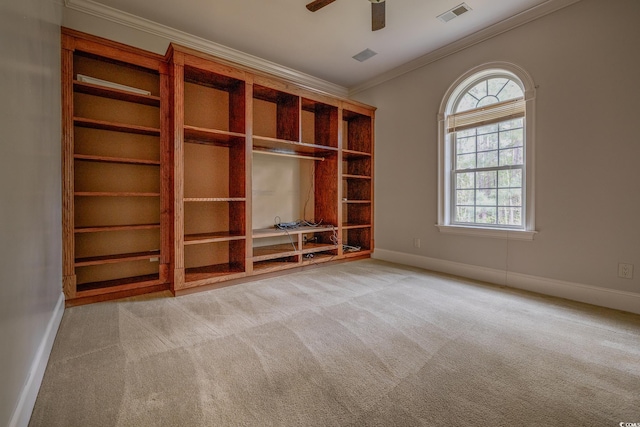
{"x":494,"y":233}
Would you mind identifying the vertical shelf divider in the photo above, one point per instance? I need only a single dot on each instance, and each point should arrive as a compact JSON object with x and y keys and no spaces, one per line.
{"x":68,"y":212}
{"x":166,"y":176}
{"x":177,"y":110}
{"x":248,"y":159}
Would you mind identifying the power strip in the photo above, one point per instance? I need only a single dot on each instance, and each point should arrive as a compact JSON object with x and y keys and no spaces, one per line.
{"x":284,"y":225}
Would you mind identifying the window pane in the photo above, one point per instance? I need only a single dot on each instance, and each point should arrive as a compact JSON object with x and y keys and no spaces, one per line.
{"x":466,"y":161}
{"x":510,"y":216}
{"x":496,"y":85}
{"x":511,"y":124}
{"x":487,"y":129}
{"x":510,"y":91}
{"x":486,"y":179}
{"x":465,"y":214}
{"x":488,"y":142}
{"x":510,"y":157}
{"x":465,"y":180}
{"x":465,"y":197}
{"x":466,"y":145}
{"x":479,"y":91}
{"x":486,"y":197}
{"x":510,"y":178}
{"x":465,"y":133}
{"x":486,"y":215}
{"x":487,"y":100}
{"x":511,"y":138}
{"x":467,"y":102}
{"x":510,"y":197}
{"x":488,"y":159}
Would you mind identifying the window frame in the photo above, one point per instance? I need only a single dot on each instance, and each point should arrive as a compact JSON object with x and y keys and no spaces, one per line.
{"x":445,"y":154}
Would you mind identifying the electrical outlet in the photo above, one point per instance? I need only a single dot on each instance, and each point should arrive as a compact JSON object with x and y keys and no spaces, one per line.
{"x":416,"y":242}
{"x":625,"y":271}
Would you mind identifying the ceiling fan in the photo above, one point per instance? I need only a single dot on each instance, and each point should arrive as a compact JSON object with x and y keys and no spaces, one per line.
{"x":377,"y":11}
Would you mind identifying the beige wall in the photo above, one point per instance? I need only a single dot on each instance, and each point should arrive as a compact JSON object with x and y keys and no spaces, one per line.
{"x":108,"y":29}
{"x":30,"y":207}
{"x":585,"y":60}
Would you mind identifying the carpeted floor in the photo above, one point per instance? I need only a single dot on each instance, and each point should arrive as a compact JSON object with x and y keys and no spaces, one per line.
{"x":365,"y":343}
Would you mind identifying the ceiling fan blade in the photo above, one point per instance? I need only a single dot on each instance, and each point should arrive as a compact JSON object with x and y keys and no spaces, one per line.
{"x":377,"y":16}
{"x":318,"y":4}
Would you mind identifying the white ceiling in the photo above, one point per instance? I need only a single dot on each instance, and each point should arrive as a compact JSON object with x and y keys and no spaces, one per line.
{"x":322,"y":44}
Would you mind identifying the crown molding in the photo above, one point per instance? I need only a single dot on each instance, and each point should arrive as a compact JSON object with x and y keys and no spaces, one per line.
{"x":185,"y":39}
{"x":501,"y":27}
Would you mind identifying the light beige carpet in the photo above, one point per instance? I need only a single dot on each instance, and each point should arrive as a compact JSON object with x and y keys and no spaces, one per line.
{"x":358,"y":344}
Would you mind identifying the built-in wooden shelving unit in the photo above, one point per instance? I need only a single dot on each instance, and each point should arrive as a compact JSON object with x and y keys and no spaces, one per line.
{"x":357,"y":181}
{"x":210,"y":171}
{"x":115,"y":217}
{"x":158,"y":171}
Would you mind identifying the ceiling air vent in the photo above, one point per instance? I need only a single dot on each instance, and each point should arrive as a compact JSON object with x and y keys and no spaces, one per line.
{"x":364,"y":55}
{"x":455,"y":12}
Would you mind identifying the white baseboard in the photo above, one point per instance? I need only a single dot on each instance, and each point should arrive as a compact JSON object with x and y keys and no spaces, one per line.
{"x":619,"y":300}
{"x":22,"y":413}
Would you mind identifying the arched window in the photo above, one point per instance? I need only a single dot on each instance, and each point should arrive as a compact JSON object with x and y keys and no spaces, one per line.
{"x":486,"y":153}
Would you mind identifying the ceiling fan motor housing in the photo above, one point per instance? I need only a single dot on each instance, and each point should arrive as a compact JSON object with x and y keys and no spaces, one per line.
{"x":377,"y":11}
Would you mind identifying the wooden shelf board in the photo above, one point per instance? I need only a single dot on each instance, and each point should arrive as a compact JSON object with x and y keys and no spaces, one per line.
{"x":269,"y":94}
{"x":98,"y":229}
{"x":349,"y":176}
{"x":105,"y":159}
{"x":116,"y":127}
{"x":276,"y":232}
{"x":318,"y":258}
{"x":311,"y":105}
{"x":352,"y":154}
{"x":113,"y":259}
{"x":285,"y":250}
{"x":308,"y":248}
{"x":348,"y":226}
{"x":198,"y":274}
{"x":355,"y":254}
{"x":214,"y":199}
{"x":113,"y":194}
{"x":270,"y":266}
{"x":198,"y":135}
{"x":117,"y":285}
{"x":266,"y":143}
{"x":221,"y":236}
{"x":121,"y":95}
{"x":192,"y":74}
{"x":264,"y":253}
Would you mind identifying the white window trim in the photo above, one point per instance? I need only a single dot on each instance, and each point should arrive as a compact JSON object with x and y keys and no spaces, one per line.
{"x":444,"y":177}
{"x":494,"y":233}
